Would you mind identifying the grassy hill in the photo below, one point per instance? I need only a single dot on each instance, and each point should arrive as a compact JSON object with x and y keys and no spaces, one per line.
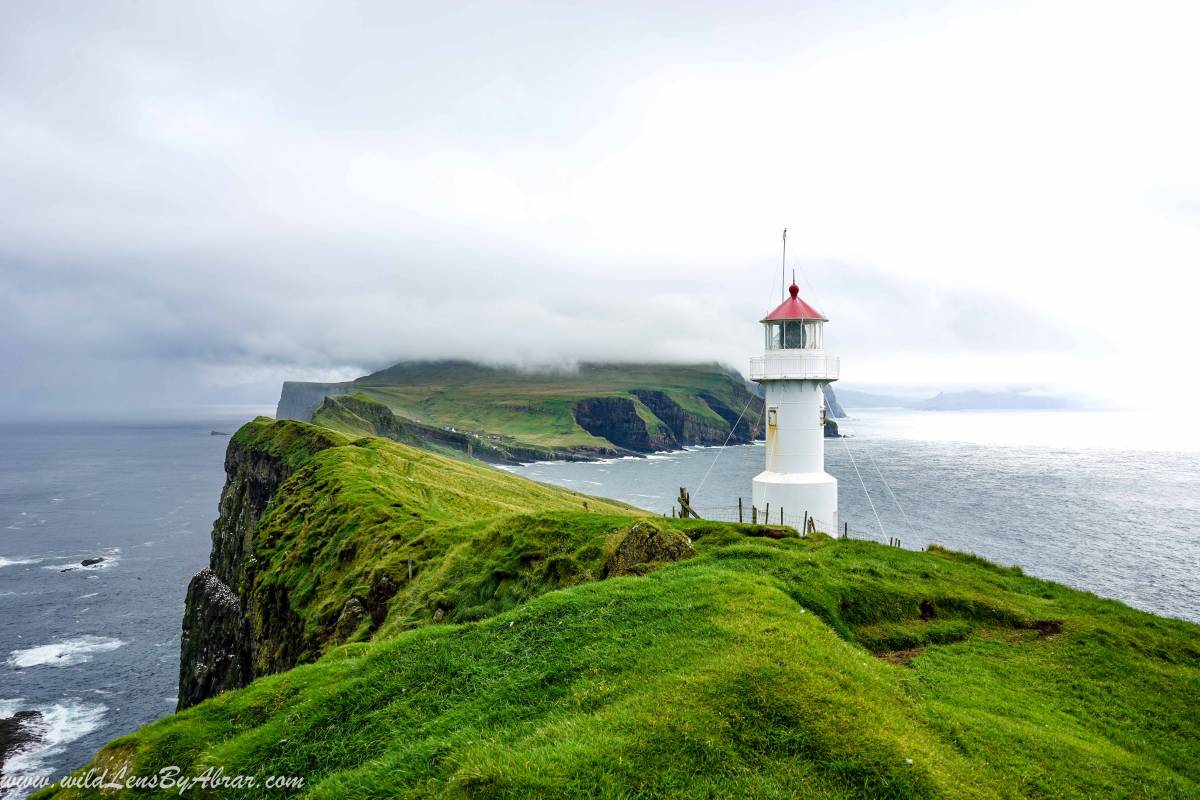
{"x":541,"y":649}
{"x":507,"y":414}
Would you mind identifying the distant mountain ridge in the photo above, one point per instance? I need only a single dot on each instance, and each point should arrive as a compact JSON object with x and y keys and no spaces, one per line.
{"x":972,"y":400}
{"x":508,"y":415}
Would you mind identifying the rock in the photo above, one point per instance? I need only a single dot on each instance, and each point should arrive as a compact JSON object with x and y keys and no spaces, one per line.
{"x":88,"y":562}
{"x":645,"y":547}
{"x":217,"y":433}
{"x":616,"y":419}
{"x":751,"y":425}
{"x":832,"y":407}
{"x":17,"y":731}
{"x":230,"y":634}
{"x":213,"y":652}
{"x":831,"y":429}
{"x":686,"y":428}
{"x":353,"y":614}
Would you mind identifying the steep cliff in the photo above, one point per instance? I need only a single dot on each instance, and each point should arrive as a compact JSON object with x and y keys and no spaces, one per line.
{"x":218,"y":647}
{"x":299,"y":400}
{"x":833,"y":408}
{"x":323,"y":539}
{"x":617,"y":420}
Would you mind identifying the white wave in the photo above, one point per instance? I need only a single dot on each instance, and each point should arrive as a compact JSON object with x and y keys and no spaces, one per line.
{"x":13,"y":562}
{"x":111,"y":557}
{"x":65,"y":653}
{"x":86,"y":596}
{"x":59,"y":725}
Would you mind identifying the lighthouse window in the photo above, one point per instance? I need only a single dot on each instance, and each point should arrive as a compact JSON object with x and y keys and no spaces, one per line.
{"x":773,"y":331}
{"x":793,"y":335}
{"x":812,"y":335}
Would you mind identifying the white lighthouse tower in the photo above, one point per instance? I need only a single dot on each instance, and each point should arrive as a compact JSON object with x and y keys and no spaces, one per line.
{"x":793,"y":371}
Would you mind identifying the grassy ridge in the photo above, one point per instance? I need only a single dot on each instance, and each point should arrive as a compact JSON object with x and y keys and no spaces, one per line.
{"x":353,"y":516}
{"x":774,"y":668}
{"x":535,"y":409}
{"x":799,"y":667}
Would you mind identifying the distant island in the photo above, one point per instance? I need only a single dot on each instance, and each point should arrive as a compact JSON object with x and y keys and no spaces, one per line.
{"x":507,"y":415}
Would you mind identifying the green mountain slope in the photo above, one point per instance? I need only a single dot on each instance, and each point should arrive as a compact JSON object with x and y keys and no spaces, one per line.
{"x":505,"y":414}
{"x":510,"y":666}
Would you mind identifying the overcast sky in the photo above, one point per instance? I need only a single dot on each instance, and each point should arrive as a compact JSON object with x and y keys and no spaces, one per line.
{"x":199,"y":200}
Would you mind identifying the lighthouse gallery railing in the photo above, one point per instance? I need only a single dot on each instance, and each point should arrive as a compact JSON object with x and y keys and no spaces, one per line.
{"x":784,"y":365}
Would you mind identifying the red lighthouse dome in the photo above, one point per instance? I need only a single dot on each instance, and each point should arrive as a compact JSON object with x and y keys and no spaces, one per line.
{"x":794,"y":308}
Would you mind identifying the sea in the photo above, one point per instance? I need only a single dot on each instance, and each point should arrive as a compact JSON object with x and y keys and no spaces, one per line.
{"x":1101,"y":501}
{"x":1109,"y":503}
{"x":95,"y":650}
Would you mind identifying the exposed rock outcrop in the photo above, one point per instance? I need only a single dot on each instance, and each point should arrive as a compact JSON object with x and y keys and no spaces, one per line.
{"x":832,"y":407}
{"x":21,"y":729}
{"x":645,"y":547}
{"x":616,"y":419}
{"x":214,"y":647}
{"x":686,"y":427}
{"x":747,"y":425}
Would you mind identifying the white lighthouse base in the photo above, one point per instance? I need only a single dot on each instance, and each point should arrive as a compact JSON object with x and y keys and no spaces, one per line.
{"x":795,"y":494}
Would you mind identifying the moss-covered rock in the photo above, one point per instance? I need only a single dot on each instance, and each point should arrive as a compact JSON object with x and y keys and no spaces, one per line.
{"x":645,"y":547}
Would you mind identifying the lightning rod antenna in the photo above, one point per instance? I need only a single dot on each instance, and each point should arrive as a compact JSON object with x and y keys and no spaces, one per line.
{"x":783,"y":268}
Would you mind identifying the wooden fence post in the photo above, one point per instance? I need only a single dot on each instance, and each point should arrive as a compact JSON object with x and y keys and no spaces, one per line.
{"x":739,"y":509}
{"x":781,"y":515}
{"x":753,"y":515}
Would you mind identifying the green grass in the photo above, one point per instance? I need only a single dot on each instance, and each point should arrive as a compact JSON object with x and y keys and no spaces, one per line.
{"x":800,"y":667}
{"x":535,"y":409}
{"x":353,"y":516}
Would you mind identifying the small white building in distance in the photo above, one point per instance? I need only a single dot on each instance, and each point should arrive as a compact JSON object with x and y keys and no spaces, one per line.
{"x":793,"y":371}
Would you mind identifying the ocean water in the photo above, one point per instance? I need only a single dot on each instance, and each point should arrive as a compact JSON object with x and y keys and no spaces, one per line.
{"x":1109,"y":503}
{"x":95,"y":649}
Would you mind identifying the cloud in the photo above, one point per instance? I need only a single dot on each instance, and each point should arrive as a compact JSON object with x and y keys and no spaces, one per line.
{"x":198,"y":202}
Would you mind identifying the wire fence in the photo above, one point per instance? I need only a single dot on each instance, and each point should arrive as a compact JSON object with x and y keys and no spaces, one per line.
{"x":802,"y":523}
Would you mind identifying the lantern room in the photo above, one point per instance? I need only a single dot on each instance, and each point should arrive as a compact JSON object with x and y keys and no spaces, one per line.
{"x":794,"y":325}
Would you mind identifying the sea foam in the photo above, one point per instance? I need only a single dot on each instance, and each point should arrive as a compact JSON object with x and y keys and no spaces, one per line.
{"x":13,"y":562}
{"x":65,"y":653}
{"x":59,"y":724}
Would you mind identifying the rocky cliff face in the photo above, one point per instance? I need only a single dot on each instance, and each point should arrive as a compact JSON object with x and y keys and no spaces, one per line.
{"x":832,"y":406}
{"x":223,"y":622}
{"x":685,"y":427}
{"x":616,"y":419}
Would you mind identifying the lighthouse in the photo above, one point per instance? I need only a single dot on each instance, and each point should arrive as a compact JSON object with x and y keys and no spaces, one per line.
{"x":793,"y":372}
